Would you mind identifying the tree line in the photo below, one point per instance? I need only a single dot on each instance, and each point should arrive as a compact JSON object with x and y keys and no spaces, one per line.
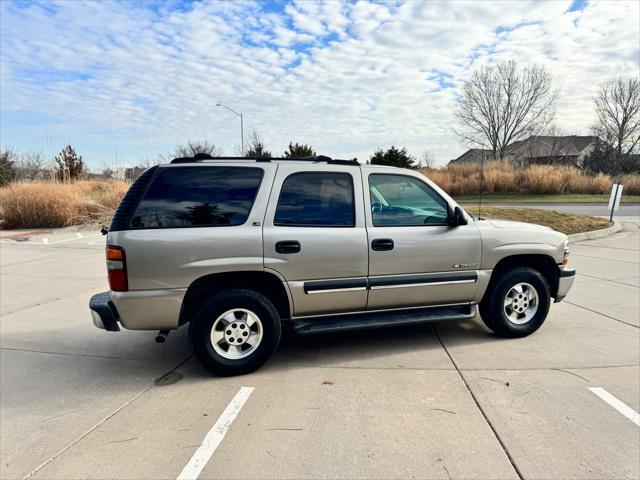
{"x":67,"y":166}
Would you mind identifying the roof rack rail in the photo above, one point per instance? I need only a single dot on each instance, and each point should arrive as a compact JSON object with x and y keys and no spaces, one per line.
{"x":199,"y":157}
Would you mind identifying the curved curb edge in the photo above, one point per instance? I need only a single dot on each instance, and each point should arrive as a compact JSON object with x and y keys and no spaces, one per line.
{"x":603,"y":232}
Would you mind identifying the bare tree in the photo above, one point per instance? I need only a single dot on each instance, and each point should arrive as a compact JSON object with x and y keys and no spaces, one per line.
{"x":504,"y":103}
{"x":150,"y":162}
{"x":426,"y":161}
{"x":193,"y":147}
{"x":107,"y":172}
{"x":617,"y":106}
{"x":32,"y":165}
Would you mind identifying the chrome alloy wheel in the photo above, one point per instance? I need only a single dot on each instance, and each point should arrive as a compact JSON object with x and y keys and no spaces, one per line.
{"x":521,"y":303}
{"x":236,"y":334}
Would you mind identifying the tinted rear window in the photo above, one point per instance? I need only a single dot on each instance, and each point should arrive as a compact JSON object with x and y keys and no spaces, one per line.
{"x":198,"y":196}
{"x":317,"y":199}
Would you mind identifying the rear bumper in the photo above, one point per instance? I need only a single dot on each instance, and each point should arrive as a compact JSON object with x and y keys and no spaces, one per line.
{"x":137,"y":310}
{"x":149,"y":309}
{"x":565,"y":282}
{"x":103,"y":312}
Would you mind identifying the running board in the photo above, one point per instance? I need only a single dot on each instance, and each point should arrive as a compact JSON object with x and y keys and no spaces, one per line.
{"x":390,"y":318}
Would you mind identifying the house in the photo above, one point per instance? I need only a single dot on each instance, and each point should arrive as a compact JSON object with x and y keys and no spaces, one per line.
{"x":132,"y":173}
{"x":566,"y":150}
{"x":546,"y":149}
{"x":473,"y":155}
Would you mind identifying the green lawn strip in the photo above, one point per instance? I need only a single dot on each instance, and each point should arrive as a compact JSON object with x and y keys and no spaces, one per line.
{"x":530,"y":198}
{"x":568,"y":223}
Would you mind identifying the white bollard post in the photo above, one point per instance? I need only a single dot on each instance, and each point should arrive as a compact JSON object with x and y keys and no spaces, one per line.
{"x":614,"y":199}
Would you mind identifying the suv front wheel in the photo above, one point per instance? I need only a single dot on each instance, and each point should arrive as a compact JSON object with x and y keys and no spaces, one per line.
{"x":517,"y":304}
{"x":235,"y":332}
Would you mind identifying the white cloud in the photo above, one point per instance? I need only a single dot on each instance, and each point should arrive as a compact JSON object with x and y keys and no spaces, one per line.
{"x":344,"y":77}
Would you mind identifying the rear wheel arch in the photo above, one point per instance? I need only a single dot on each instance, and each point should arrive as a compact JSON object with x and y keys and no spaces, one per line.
{"x":542,"y":263}
{"x":268,"y":284}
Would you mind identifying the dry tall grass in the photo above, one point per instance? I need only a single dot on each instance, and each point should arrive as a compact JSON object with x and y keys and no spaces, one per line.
{"x":53,"y":204}
{"x":502,"y":177}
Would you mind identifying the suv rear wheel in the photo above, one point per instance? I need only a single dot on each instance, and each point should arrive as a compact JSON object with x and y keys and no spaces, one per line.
{"x":235,"y":332}
{"x":517,"y":304}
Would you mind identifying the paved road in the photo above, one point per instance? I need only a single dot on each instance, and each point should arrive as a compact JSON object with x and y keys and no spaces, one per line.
{"x":436,"y":401}
{"x":626,"y":212}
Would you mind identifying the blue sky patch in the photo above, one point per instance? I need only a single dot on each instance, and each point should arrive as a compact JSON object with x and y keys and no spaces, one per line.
{"x":578,"y":5}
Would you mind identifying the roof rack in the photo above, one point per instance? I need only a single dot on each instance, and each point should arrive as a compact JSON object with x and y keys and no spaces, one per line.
{"x":200,"y":157}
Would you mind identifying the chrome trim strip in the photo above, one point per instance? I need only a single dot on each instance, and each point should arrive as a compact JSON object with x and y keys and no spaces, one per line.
{"x":427,"y":284}
{"x":443,"y":278}
{"x":336,"y":290}
{"x":426,"y":274}
{"x":334,"y":284}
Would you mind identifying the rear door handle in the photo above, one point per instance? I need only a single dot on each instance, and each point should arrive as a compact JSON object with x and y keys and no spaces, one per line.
{"x":288,"y":246}
{"x":382,"y":244}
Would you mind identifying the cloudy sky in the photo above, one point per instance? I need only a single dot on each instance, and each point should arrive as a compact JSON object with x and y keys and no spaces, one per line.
{"x":129,"y":80}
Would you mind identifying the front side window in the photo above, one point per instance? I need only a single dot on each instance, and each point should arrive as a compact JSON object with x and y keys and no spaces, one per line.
{"x":316,"y":199}
{"x":400,"y":200}
{"x":198,"y":197}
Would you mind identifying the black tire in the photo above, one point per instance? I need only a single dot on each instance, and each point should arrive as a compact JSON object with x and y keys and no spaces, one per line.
{"x":492,"y":308}
{"x":201,"y":325}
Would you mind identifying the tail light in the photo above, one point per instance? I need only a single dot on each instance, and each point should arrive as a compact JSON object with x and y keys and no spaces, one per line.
{"x":567,"y":251}
{"x":117,"y":269}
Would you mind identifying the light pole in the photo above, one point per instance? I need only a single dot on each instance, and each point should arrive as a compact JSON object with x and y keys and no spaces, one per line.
{"x":241,"y":125}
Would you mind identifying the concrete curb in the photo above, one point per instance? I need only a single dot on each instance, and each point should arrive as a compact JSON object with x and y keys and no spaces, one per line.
{"x":603,"y":232}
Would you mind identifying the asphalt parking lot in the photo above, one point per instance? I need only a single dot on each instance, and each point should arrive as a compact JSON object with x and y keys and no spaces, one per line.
{"x":446,"y":400}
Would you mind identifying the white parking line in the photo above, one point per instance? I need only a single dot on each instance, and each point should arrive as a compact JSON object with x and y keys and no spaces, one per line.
{"x":73,"y":238}
{"x":628,"y":412}
{"x":214,"y":436}
{"x":45,"y":240}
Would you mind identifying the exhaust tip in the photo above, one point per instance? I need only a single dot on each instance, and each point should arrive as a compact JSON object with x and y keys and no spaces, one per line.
{"x":161,"y":337}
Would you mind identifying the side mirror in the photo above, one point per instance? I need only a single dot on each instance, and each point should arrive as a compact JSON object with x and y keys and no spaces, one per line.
{"x":456,"y":217}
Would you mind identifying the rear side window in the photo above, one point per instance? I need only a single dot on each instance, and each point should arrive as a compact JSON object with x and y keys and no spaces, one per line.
{"x":198,"y":197}
{"x":316,"y":199}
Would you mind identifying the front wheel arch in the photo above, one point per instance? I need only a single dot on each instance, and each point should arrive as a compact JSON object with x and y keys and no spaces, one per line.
{"x":544,"y":264}
{"x":494,"y":309}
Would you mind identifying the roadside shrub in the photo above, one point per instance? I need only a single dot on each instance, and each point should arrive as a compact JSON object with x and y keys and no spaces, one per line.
{"x":53,"y":204}
{"x":543,"y":179}
{"x":631,"y":184}
{"x":503,"y":177}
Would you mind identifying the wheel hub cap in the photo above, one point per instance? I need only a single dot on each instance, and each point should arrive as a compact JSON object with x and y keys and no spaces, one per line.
{"x":521,"y":303}
{"x":236,"y":333}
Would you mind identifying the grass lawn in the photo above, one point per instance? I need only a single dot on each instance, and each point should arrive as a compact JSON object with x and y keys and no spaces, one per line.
{"x":568,"y":223}
{"x":529,"y":198}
